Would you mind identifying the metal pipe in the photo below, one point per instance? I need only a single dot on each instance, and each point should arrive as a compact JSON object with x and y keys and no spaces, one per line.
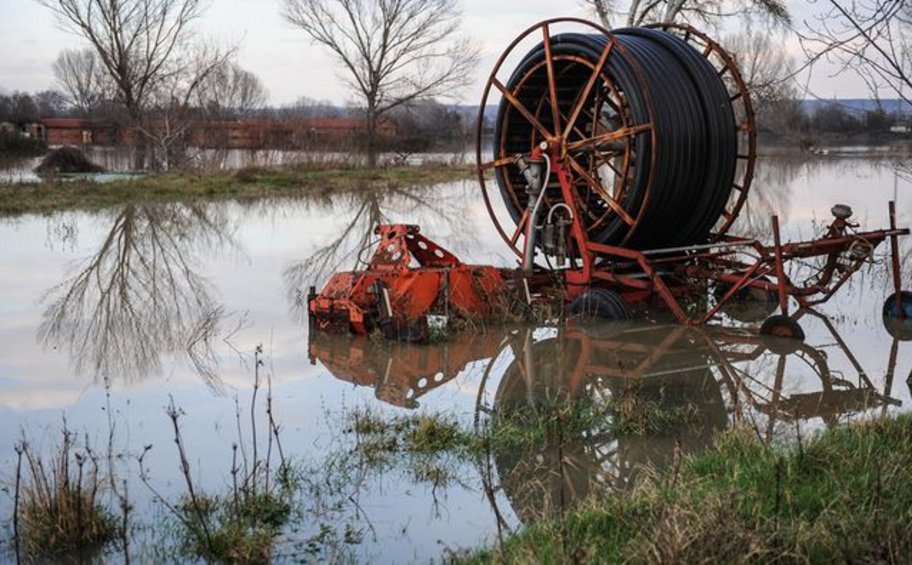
{"x":721,"y":245}
{"x":897,"y":276}
{"x":531,"y":170}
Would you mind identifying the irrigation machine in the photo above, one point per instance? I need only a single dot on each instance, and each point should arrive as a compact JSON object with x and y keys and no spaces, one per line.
{"x":620,"y":163}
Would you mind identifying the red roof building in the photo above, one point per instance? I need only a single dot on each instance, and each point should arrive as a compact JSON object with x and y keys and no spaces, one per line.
{"x":238,"y":134}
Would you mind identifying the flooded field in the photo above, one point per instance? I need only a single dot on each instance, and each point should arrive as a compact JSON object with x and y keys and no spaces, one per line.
{"x":144,"y":324}
{"x":120,"y":160}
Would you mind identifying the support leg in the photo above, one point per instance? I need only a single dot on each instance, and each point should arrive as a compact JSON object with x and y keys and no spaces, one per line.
{"x":780,"y":268}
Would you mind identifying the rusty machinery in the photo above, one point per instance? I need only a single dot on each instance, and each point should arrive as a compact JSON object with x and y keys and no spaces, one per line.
{"x":622,"y":158}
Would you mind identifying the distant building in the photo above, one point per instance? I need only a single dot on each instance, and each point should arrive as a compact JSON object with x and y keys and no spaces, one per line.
{"x":76,"y":131}
{"x":237,"y":134}
{"x":900,"y":128}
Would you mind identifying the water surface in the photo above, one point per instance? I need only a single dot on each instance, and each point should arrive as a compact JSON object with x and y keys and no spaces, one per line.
{"x":107,"y":316}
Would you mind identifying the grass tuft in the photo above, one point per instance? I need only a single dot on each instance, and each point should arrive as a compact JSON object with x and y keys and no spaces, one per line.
{"x":59,"y":513}
{"x":242,"y":525}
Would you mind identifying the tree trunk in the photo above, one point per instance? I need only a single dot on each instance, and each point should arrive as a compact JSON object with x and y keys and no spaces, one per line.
{"x":371,"y":136}
{"x":140,"y":146}
{"x":139,"y":153}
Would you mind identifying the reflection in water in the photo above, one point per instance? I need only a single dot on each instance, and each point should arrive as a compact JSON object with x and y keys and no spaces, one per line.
{"x":667,"y":389}
{"x":664,"y":401}
{"x":140,"y":296}
{"x":770,"y":195}
{"x":17,"y":169}
{"x":399,"y":372}
{"x":349,"y":249}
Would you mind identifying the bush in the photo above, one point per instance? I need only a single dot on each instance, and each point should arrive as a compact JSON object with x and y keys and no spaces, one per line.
{"x":11,"y":143}
{"x":67,"y":160}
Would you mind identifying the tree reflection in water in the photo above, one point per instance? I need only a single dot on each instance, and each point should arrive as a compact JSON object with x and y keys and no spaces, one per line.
{"x":140,"y":295}
{"x":350,"y":248}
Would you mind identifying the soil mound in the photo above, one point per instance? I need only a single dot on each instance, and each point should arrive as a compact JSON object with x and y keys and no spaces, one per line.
{"x":67,"y":160}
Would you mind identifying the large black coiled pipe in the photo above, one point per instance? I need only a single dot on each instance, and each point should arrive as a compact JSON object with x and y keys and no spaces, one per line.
{"x":675,"y":180}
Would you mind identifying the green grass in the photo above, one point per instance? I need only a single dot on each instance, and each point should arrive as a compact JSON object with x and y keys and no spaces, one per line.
{"x":843,"y":496}
{"x":523,"y":426}
{"x":429,"y":446}
{"x":245,"y":184}
{"x":234,"y":529}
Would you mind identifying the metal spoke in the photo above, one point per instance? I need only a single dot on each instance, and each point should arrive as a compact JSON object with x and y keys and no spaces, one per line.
{"x":576,"y":130}
{"x":588,"y":89}
{"x":595,"y":184}
{"x":520,"y":108}
{"x":552,"y":84}
{"x":593,"y":142}
{"x":497,"y":163}
{"x":520,"y":227}
{"x":607,"y":162}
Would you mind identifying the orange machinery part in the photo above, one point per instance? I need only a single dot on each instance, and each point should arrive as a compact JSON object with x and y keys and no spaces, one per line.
{"x":408,"y":278}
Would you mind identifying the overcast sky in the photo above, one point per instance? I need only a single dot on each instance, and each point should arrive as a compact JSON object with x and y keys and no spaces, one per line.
{"x":288,"y":65}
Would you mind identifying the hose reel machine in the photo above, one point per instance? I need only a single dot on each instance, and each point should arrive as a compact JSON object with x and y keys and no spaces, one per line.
{"x":619,"y":164}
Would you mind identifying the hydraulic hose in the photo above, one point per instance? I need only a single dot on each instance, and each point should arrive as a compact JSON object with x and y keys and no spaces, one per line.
{"x":672,"y":175}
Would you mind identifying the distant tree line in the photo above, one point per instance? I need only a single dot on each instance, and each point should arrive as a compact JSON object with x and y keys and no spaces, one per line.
{"x":789,"y":121}
{"x":235,"y":94}
{"x":22,"y":108}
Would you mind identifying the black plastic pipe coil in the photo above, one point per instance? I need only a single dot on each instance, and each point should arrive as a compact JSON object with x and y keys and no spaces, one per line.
{"x":665,"y":82}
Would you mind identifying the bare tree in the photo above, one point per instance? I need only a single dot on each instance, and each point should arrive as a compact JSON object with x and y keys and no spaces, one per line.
{"x":768,"y":71}
{"x":169,"y":114}
{"x":82,"y":78}
{"x":230,"y":92}
{"x":140,"y":44}
{"x":305,"y":108}
{"x":393,"y":51}
{"x":641,"y":12}
{"x":764,"y":64}
{"x":871,"y":39}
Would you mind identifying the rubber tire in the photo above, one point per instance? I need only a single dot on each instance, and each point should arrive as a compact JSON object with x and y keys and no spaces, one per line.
{"x":784,"y":333}
{"x":891,"y":304}
{"x":600,"y":304}
{"x":898,"y":328}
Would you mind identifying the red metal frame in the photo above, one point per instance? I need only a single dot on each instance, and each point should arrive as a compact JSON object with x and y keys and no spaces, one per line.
{"x":666,"y":274}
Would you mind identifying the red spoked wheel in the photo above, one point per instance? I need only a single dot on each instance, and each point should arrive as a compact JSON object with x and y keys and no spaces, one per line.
{"x":579,"y":108}
{"x":650,"y":131}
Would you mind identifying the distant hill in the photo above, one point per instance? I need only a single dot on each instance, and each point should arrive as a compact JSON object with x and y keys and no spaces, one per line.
{"x":859,"y":105}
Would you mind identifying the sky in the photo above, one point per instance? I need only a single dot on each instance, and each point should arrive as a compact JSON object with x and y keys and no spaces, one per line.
{"x":288,"y":65}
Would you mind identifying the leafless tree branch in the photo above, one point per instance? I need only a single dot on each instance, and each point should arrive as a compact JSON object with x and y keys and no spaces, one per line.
{"x":393,"y":51}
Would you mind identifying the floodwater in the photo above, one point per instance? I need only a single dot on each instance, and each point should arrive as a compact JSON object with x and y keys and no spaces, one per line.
{"x":108,"y":317}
